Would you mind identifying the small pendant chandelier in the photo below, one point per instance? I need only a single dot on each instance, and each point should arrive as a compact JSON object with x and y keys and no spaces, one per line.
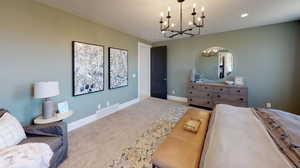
{"x":196,"y":24}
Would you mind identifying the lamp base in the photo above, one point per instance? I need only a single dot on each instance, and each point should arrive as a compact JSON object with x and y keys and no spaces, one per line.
{"x":48,"y":109}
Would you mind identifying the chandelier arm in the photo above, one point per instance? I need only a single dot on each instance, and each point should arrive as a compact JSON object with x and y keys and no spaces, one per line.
{"x":165,"y":25}
{"x":180,"y":16}
{"x":190,"y":34}
{"x":174,"y":35}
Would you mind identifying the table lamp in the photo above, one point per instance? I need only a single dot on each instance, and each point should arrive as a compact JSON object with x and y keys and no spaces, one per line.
{"x":46,"y":90}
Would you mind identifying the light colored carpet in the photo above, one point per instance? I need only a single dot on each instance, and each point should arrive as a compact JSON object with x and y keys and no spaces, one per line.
{"x":100,"y":144}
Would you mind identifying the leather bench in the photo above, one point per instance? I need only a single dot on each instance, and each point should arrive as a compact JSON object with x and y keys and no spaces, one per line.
{"x":182,"y":149}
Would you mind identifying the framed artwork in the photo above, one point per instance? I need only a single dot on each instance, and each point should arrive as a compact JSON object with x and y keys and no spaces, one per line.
{"x":88,"y":68}
{"x":63,"y":107}
{"x":118,"y":68}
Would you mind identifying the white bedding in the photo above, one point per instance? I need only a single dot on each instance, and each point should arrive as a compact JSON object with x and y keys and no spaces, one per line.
{"x":237,"y":139}
{"x":31,"y":155}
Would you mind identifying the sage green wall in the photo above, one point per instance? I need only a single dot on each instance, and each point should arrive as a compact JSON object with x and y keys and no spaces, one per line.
{"x":267,"y":57}
{"x":35,"y":45}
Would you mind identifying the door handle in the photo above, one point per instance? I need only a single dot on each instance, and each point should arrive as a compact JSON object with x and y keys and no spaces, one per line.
{"x":165,"y":79}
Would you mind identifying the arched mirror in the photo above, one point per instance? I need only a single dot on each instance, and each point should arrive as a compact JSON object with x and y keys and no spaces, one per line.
{"x":218,"y":62}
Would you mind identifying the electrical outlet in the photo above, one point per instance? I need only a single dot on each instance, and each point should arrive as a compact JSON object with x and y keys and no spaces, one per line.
{"x":268,"y":105}
{"x":173,"y":92}
{"x":107,"y":103}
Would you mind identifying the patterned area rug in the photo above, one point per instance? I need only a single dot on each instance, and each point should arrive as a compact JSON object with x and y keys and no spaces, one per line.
{"x":139,"y":154}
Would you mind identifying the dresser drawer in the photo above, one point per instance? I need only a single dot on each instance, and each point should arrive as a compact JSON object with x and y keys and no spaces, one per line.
{"x":206,"y":88}
{"x":199,"y":93}
{"x":200,"y":102}
{"x":238,"y":91}
{"x":230,"y":99}
{"x":192,"y":86}
{"x":221,"y":90}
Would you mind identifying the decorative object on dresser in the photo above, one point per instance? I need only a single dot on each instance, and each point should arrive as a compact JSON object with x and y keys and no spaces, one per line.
{"x":88,"y":68}
{"x":210,"y":94}
{"x":118,"y":68}
{"x":46,"y":90}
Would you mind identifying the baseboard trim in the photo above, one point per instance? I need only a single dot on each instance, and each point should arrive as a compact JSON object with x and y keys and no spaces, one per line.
{"x":176,"y":98}
{"x":100,"y":114}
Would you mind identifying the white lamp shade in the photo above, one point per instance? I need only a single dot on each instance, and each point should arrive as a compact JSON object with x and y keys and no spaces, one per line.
{"x":46,"y":89}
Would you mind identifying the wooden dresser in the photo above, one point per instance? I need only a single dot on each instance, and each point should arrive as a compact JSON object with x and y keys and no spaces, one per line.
{"x":210,"y":94}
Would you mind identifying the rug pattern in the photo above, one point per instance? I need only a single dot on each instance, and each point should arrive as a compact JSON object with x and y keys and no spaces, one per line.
{"x":139,"y":154}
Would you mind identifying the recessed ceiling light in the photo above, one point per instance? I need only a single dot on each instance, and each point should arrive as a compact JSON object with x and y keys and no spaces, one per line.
{"x":244,"y":15}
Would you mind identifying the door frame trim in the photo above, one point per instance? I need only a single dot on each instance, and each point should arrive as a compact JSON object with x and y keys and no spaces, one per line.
{"x":140,"y":44}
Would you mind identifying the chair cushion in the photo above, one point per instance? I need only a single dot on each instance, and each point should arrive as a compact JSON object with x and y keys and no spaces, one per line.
{"x":54,"y":142}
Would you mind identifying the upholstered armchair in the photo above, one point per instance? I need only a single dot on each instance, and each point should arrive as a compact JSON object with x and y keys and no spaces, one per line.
{"x":55,"y":135}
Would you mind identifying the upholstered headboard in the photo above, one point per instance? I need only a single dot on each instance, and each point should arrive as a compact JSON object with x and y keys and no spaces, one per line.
{"x":2,"y":111}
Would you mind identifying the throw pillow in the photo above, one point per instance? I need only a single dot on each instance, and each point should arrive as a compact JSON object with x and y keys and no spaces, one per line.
{"x":11,"y":131}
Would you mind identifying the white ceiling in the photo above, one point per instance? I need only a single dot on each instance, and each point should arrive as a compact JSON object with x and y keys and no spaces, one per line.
{"x":141,"y":17}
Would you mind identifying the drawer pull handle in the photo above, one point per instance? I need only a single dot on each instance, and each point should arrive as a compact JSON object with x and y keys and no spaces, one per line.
{"x":205,"y":87}
{"x":191,"y":92}
{"x":208,"y":102}
{"x":238,"y":91}
{"x":219,"y":96}
{"x":221,"y":89}
{"x":208,"y":95}
{"x":191,"y":99}
{"x":193,"y":87}
{"x":241,"y":99}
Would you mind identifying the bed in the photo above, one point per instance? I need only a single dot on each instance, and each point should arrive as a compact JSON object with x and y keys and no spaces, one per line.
{"x":251,"y":138}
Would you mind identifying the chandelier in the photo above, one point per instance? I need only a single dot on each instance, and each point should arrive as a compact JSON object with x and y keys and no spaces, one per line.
{"x":196,"y":24}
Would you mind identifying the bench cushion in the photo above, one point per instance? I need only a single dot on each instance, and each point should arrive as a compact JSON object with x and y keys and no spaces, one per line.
{"x":197,"y":139}
{"x":182,"y":149}
{"x":175,"y":153}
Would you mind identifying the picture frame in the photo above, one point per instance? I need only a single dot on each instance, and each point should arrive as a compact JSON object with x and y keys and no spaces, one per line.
{"x":117,"y":68}
{"x":63,"y":107}
{"x":87,"y":68}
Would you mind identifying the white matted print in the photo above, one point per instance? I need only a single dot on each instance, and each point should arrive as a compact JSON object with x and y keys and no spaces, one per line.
{"x":88,"y":68}
{"x":63,"y":107}
{"x":118,"y":68}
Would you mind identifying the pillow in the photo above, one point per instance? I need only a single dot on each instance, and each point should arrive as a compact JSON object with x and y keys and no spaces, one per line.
{"x":11,"y":131}
{"x":192,"y":125}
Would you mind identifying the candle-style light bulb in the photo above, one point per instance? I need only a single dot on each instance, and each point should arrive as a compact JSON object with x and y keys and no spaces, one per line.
{"x":190,"y":23}
{"x":202,"y":9}
{"x":165,"y":23}
{"x":199,"y":19}
{"x":169,"y":9}
{"x":172,"y":25}
{"x":161,"y":14}
{"x":194,"y":5}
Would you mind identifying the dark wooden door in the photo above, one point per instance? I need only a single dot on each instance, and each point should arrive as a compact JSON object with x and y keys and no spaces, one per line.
{"x":159,"y":72}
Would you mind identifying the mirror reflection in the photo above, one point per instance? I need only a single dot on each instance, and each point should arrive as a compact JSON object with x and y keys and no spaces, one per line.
{"x":215,"y":63}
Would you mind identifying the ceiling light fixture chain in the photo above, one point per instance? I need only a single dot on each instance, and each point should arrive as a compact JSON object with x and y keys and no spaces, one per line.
{"x":195,"y":24}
